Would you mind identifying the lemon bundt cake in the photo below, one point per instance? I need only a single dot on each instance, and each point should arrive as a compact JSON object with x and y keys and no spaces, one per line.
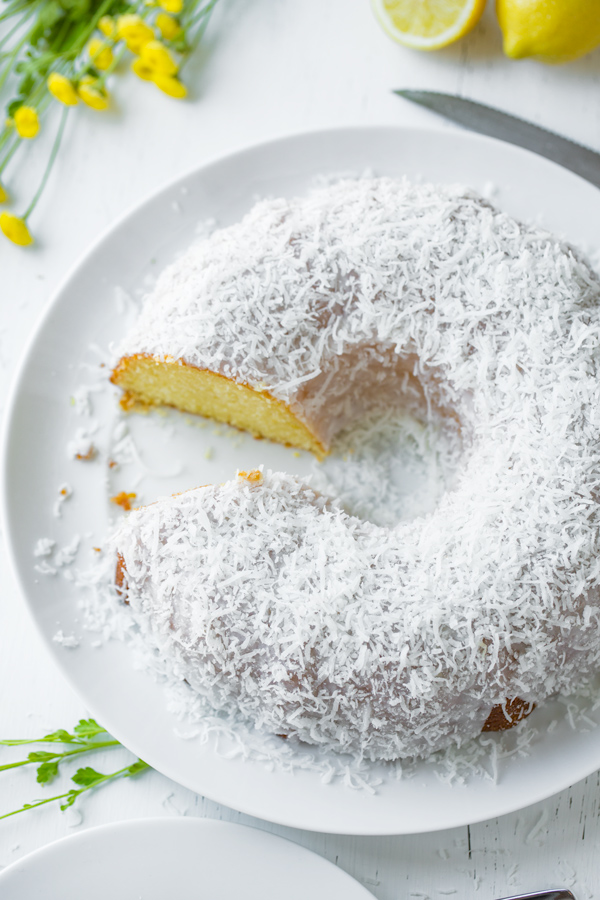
{"x":397,"y":641}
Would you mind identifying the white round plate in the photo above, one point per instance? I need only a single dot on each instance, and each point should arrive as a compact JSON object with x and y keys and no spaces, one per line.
{"x":156,"y":859}
{"x":63,"y":354}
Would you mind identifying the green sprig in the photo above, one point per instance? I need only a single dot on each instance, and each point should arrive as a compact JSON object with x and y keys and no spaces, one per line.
{"x":86,"y":736}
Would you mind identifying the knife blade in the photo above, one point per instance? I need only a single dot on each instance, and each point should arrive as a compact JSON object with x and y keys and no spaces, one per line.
{"x":544,"y":895}
{"x":495,"y":123}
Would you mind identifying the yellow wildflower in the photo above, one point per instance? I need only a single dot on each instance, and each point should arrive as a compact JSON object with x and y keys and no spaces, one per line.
{"x":15,"y":229}
{"x":62,"y":89}
{"x":100,"y":54}
{"x":91,"y":94}
{"x":3,"y":194}
{"x":170,"y":85}
{"x":134,"y":31}
{"x":106,"y":26}
{"x":26,"y":122}
{"x":168,"y":26}
{"x":142,"y":69}
{"x":171,"y":6}
{"x":158,"y":58}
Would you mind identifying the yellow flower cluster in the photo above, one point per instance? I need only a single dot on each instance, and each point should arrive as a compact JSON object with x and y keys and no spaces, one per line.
{"x":158,"y":35}
{"x":154,"y":61}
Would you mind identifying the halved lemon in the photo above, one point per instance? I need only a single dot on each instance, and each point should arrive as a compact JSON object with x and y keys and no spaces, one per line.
{"x":428,"y":24}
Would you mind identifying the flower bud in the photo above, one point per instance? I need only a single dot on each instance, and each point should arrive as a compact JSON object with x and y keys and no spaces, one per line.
{"x":26,"y":122}
{"x":15,"y":229}
{"x":62,"y":89}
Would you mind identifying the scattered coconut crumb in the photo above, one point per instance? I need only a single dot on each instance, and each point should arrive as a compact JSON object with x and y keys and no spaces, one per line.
{"x":538,"y":827}
{"x":73,"y":817}
{"x":44,"y":547}
{"x":82,"y":447}
{"x":66,"y":555}
{"x":81,"y":401}
{"x":65,"y":640}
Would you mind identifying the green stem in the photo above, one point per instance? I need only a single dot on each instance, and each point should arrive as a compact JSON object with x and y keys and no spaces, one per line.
{"x":5,"y":139}
{"x":15,"y":812}
{"x":204,"y":15}
{"x":16,"y":27}
{"x":140,"y":767}
{"x":53,"y":155}
{"x":60,"y":756}
{"x":12,"y":57}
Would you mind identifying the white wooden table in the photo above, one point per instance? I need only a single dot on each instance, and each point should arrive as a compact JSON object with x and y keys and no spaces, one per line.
{"x":272,"y":67}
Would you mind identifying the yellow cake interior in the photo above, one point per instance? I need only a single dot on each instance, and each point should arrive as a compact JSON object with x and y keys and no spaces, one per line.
{"x":155,"y":382}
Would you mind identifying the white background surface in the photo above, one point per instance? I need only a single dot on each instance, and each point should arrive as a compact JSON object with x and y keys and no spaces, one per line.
{"x":272,"y":67}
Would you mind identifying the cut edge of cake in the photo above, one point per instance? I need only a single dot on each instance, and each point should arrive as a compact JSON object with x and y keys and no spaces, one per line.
{"x":148,"y":381}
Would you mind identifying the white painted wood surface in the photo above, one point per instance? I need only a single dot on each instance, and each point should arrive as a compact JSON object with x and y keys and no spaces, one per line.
{"x":271,"y":67}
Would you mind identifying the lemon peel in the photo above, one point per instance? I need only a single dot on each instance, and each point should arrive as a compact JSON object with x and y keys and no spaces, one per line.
{"x":553,"y":31}
{"x":26,"y":122}
{"x":15,"y":229}
{"x":62,"y":89}
{"x":428,"y":24}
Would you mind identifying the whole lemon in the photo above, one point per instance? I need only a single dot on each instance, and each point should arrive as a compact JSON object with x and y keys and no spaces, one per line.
{"x":554,"y":31}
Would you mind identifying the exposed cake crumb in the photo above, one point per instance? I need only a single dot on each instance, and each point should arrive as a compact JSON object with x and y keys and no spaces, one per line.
{"x":123,"y":499}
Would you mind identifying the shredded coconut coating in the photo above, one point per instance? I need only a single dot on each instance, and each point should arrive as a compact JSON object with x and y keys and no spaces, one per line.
{"x":387,"y":642}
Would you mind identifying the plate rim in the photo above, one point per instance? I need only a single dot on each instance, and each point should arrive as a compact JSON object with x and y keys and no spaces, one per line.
{"x":12,"y":403}
{"x":199,"y":823}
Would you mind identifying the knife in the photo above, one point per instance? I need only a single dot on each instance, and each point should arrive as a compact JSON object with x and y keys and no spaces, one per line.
{"x":498,"y":124}
{"x":544,"y":895}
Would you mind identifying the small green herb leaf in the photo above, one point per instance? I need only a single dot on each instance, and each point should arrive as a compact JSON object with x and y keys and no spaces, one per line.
{"x":88,"y":728}
{"x":47,"y":772}
{"x":61,"y":736}
{"x":88,"y":776}
{"x":41,"y":755}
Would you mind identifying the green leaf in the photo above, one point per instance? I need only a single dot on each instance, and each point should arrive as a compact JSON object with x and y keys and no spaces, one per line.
{"x":41,"y":755}
{"x":88,"y":776}
{"x":61,"y":735}
{"x":88,"y":728}
{"x":47,"y":772}
{"x":13,"y":107}
{"x":27,"y":85}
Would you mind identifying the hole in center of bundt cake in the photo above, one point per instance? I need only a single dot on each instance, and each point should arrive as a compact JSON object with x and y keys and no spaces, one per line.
{"x":396,"y":433}
{"x":391,"y":466}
